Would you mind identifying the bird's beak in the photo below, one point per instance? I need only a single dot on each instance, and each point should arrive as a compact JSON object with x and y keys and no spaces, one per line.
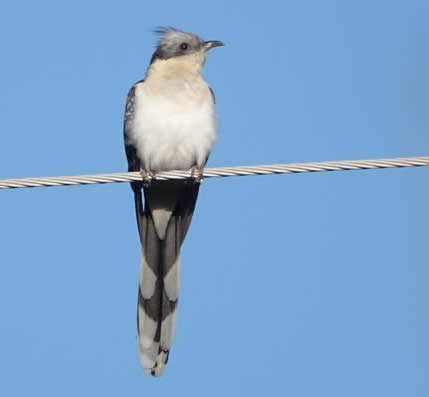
{"x":212,"y":44}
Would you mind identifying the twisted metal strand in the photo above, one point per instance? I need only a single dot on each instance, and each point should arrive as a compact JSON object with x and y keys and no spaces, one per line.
{"x":220,"y":172}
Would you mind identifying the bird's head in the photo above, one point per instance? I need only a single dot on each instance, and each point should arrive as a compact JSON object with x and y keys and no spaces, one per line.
{"x":176,"y":45}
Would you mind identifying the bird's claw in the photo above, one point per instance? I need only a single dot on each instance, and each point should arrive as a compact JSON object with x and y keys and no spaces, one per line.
{"x":147,"y":177}
{"x":197,"y":174}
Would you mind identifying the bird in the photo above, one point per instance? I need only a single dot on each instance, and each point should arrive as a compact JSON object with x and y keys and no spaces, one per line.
{"x":169,"y":124}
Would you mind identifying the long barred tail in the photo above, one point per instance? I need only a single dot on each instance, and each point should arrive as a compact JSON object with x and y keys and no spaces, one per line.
{"x":163,"y":224}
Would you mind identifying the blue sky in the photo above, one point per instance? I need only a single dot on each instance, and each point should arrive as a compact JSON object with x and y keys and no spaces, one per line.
{"x":301,"y":285}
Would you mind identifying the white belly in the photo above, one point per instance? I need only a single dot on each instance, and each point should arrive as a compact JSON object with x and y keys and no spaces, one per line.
{"x":173,"y":133}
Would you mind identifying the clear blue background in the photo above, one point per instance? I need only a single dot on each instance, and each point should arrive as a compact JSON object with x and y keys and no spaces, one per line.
{"x":294,"y":285}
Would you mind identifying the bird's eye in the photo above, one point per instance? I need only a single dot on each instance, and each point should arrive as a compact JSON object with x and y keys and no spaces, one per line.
{"x":184,"y":46}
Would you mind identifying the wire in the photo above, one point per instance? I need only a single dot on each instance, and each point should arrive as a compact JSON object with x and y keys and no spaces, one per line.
{"x":220,"y":172}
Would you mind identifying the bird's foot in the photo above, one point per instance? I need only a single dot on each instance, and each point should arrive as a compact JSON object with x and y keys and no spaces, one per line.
{"x":197,"y":174}
{"x":147,"y":177}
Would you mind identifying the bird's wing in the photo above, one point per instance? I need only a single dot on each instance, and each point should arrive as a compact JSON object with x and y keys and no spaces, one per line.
{"x":130,"y":149}
{"x":213,"y":95}
{"x":131,"y":152}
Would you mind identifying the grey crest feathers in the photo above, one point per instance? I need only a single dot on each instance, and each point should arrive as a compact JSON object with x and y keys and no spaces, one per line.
{"x":174,"y":42}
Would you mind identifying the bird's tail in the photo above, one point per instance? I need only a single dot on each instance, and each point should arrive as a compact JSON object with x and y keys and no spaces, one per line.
{"x":162,"y":225}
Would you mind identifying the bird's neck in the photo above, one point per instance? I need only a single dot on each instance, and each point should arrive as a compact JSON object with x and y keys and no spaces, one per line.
{"x":186,"y":67}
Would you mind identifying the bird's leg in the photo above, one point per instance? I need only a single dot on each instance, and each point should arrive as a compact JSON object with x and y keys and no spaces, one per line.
{"x":147,"y":177}
{"x":197,"y":174}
